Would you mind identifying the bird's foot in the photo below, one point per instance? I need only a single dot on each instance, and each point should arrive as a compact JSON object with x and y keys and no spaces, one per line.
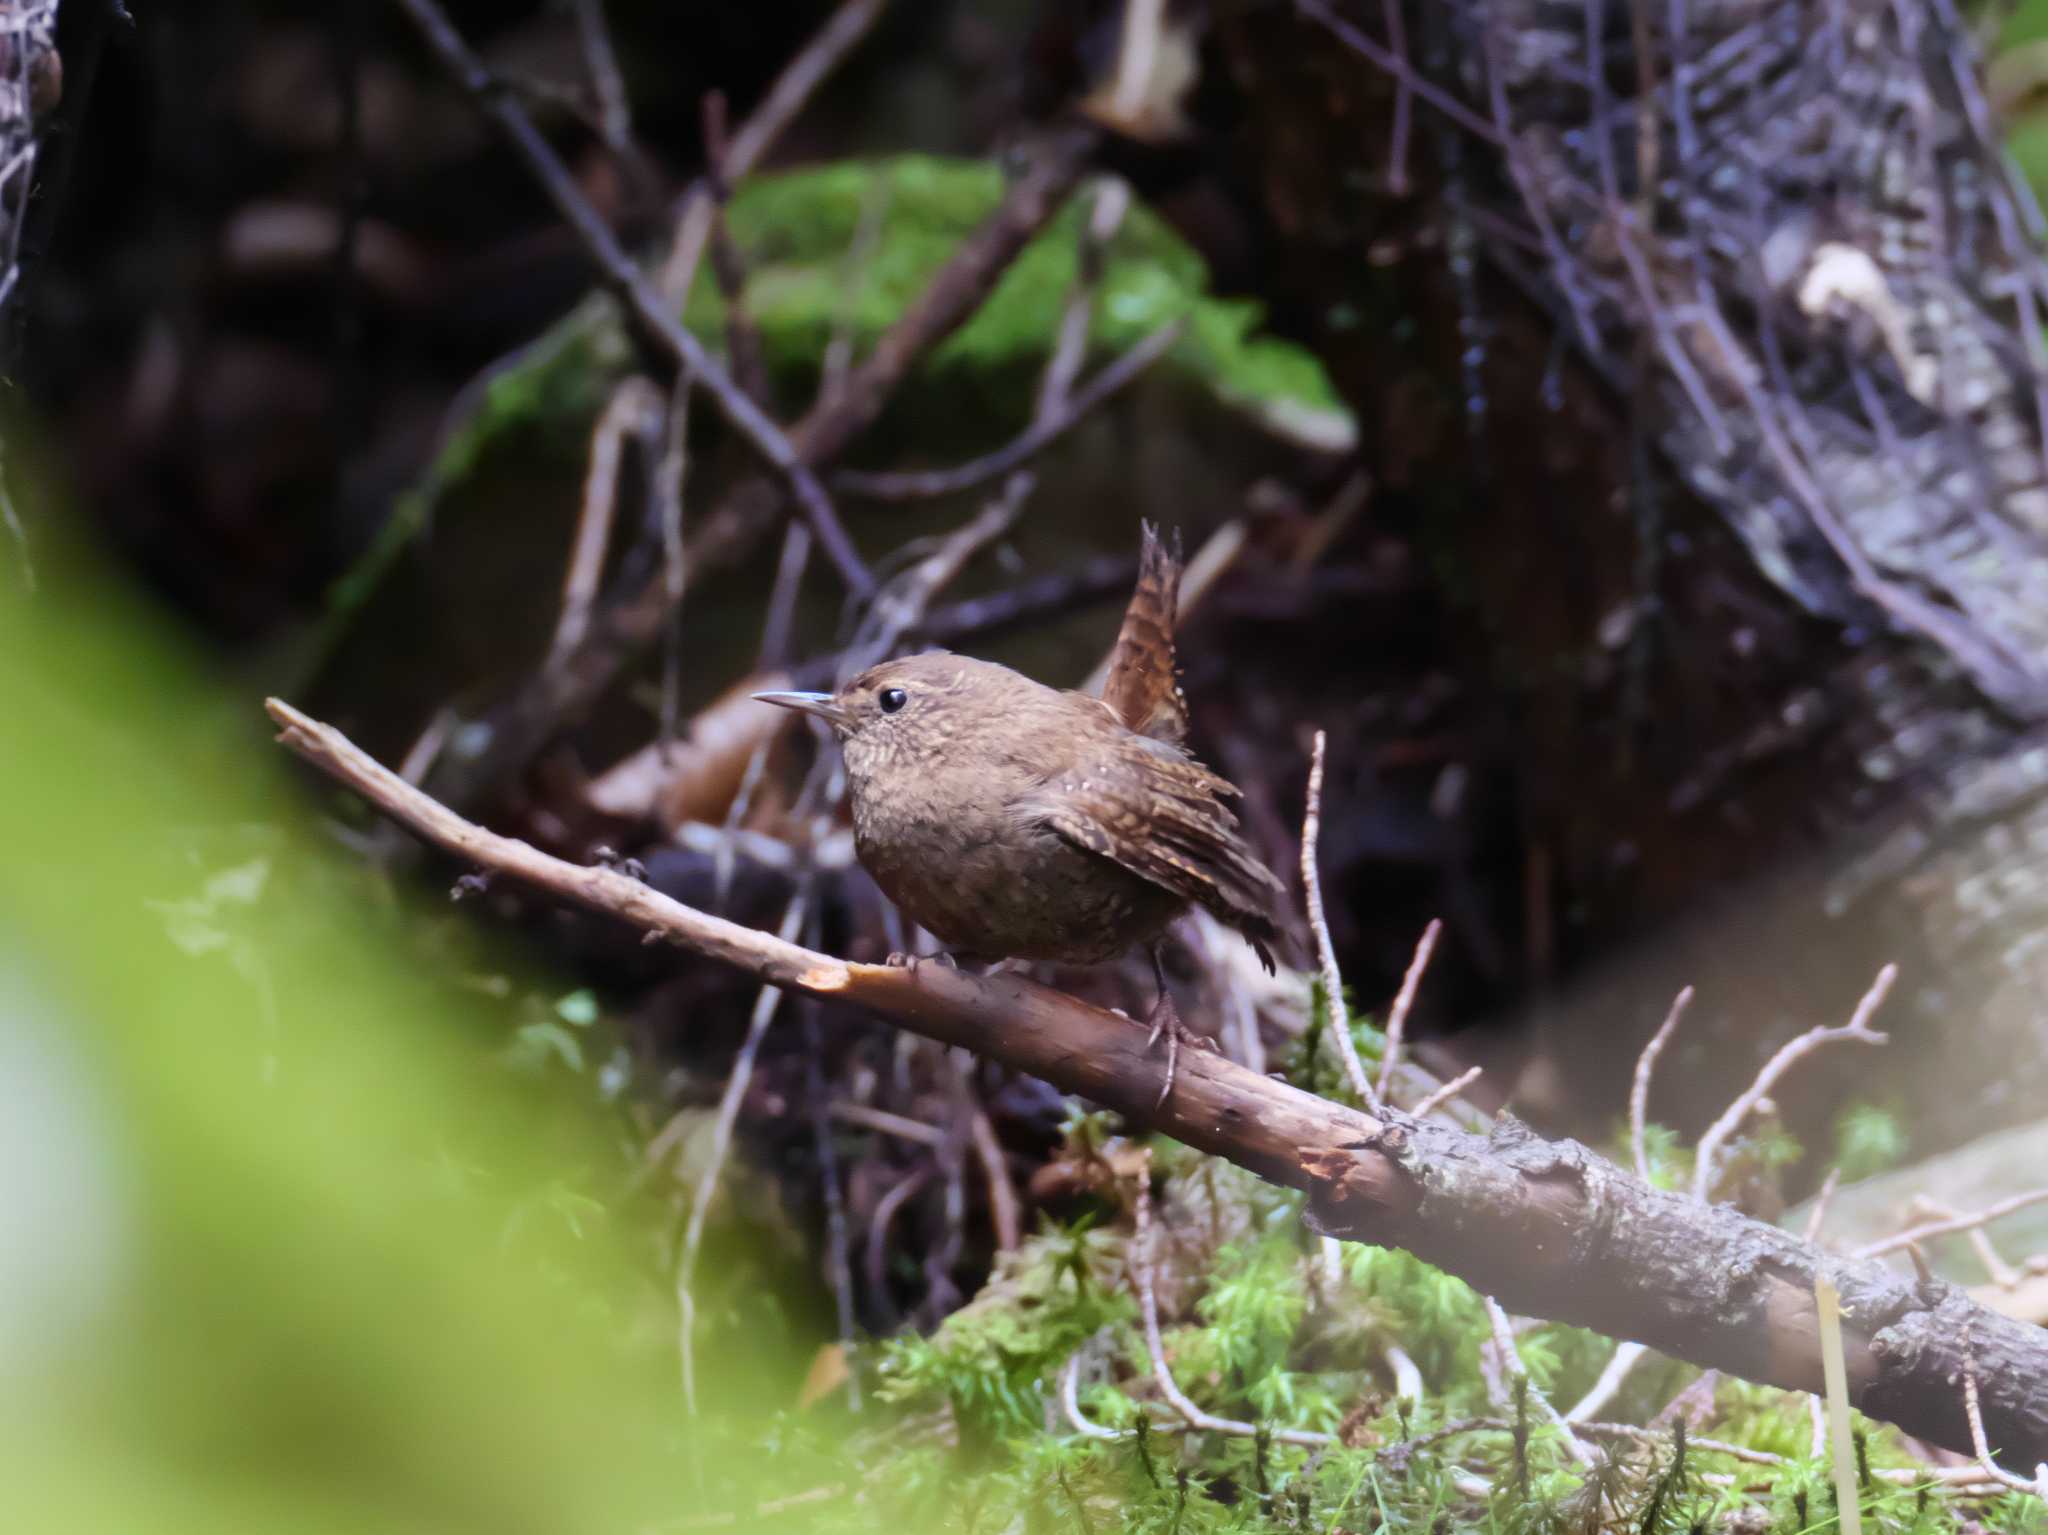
{"x":1165,"y":1023}
{"x":910,"y":962}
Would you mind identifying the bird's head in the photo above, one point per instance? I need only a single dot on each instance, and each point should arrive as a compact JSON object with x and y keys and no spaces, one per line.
{"x":929,"y":697}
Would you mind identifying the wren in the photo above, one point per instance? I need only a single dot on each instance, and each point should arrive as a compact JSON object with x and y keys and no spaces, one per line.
{"x":1018,"y":821}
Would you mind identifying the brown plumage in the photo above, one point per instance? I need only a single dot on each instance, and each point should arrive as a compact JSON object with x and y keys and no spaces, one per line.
{"x":1014,"y":820}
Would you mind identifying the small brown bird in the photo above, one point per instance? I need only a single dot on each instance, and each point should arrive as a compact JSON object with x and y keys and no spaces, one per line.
{"x":1018,"y":821}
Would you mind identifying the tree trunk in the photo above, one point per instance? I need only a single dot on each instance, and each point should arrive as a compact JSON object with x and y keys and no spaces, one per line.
{"x":1723,"y":402}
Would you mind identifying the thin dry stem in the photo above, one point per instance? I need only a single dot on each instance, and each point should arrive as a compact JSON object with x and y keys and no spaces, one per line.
{"x":624,"y":414}
{"x":799,"y":79}
{"x":1857,"y":1030}
{"x":669,"y":476}
{"x":1447,"y":1092}
{"x":1639,"y":1093}
{"x":1148,"y":1304}
{"x":1511,"y":1361}
{"x":899,"y":1125}
{"x":1143,"y":20}
{"x":614,"y":110}
{"x":1602,"y":1391}
{"x":1106,"y":211}
{"x":1397,"y":1015}
{"x":1817,"y":1217}
{"x":1005,"y":1213}
{"x":923,"y":484}
{"x":766,"y":1004}
{"x":1070,"y":1402}
{"x":1326,"y":953}
{"x":1953,"y":1224}
{"x":1973,"y":1408}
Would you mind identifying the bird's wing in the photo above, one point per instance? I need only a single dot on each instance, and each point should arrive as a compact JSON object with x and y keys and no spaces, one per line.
{"x":1142,"y":687}
{"x":1161,"y":815}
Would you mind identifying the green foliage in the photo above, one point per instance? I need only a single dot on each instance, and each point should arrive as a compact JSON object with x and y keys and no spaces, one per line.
{"x":990,"y":1359}
{"x":1868,"y":1139}
{"x":798,"y":236}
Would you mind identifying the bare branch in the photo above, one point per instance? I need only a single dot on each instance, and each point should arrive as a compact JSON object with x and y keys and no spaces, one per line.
{"x":766,"y":1005}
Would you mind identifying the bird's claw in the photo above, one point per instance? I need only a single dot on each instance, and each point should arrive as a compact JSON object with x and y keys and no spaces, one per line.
{"x":910,"y":962}
{"x":1165,"y":1021}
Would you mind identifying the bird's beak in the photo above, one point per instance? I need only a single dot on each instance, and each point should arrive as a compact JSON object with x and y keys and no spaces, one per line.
{"x":821,"y":704}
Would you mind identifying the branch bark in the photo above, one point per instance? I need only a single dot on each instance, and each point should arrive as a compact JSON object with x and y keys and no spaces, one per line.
{"x":1549,"y":1228}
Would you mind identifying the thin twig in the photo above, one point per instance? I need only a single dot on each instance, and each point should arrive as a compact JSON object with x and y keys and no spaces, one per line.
{"x":838,"y":1261}
{"x":1603,"y":1390}
{"x":1326,"y":954}
{"x":1045,"y":429}
{"x":1005,"y":1214}
{"x":1401,"y":70}
{"x":1447,"y":1092}
{"x":629,"y":406}
{"x":898,"y":1125}
{"x":766,"y":1004}
{"x":1639,"y":1094}
{"x":800,"y":77}
{"x":1857,"y":1029}
{"x":1818,"y":1215}
{"x":669,"y":475}
{"x":1070,"y":346}
{"x":742,"y":336}
{"x":623,"y":277}
{"x":1143,"y":20}
{"x":614,"y":109}
{"x":853,"y":281}
{"x":1953,"y":1224}
{"x":1974,"y":1409}
{"x":1070,"y":1403}
{"x":1054,"y":162}
{"x":1397,"y":1015}
{"x":886,"y":1210}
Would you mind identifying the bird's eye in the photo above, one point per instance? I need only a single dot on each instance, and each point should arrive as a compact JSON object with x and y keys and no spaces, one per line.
{"x":892,"y":699}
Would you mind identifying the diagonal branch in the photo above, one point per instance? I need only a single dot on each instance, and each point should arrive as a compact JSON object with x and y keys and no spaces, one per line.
{"x":630,"y":286}
{"x":1546,"y":1227}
